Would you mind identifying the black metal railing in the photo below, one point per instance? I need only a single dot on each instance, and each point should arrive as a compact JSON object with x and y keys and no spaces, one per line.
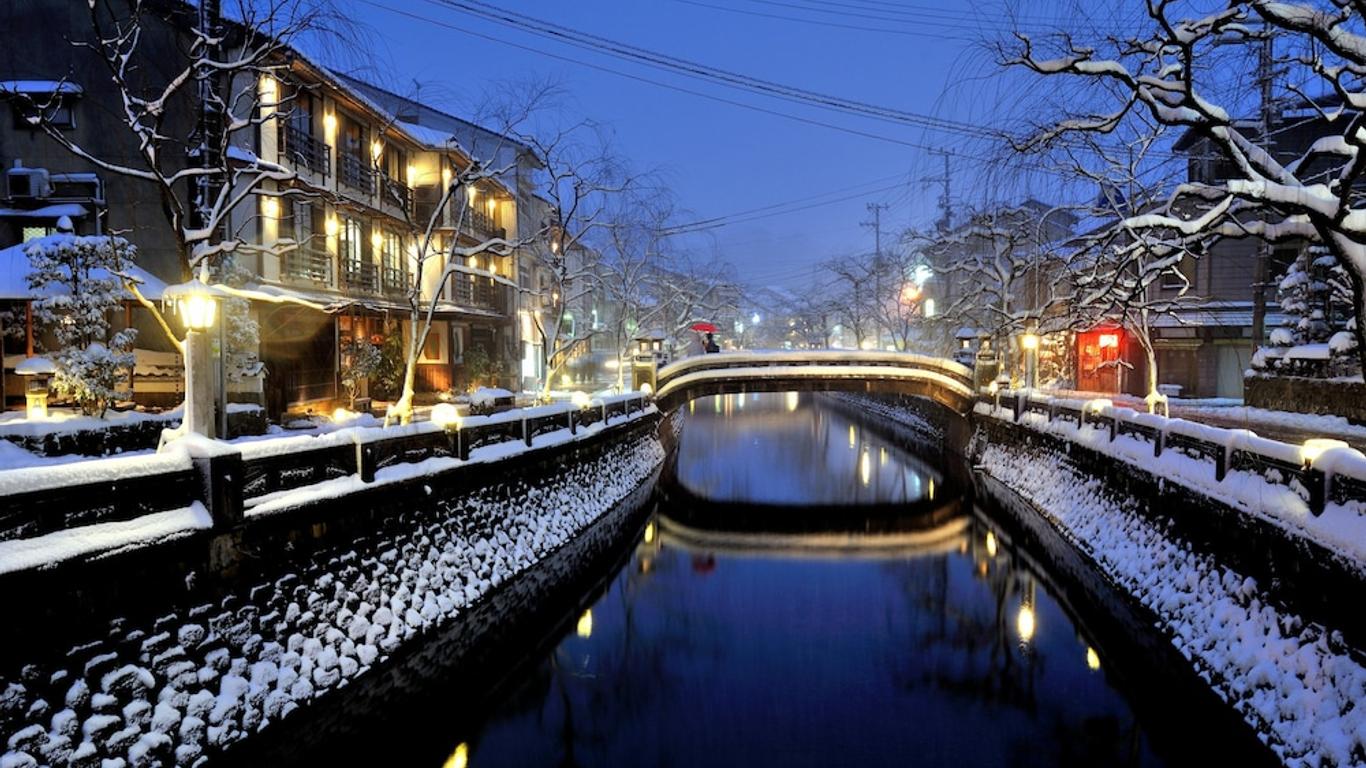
{"x":311,"y":265}
{"x":359,"y":275}
{"x":303,"y":149}
{"x":356,"y":173}
{"x":395,"y":192}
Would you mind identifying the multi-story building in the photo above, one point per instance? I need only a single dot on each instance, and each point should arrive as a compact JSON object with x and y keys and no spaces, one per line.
{"x":326,"y":256}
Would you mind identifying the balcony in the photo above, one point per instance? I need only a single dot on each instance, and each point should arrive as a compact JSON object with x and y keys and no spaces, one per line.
{"x":479,"y":293}
{"x":362,"y":276}
{"x":483,"y":225}
{"x":396,"y":280}
{"x":356,"y":174}
{"x":307,"y":152}
{"x":395,"y":192}
{"x":307,"y":265}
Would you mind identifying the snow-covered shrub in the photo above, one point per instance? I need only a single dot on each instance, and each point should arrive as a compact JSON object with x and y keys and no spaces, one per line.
{"x":78,"y":280}
{"x":1316,"y":337}
{"x":359,"y":361}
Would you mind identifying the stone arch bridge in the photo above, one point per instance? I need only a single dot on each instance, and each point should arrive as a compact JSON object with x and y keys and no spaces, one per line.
{"x":944,"y":381}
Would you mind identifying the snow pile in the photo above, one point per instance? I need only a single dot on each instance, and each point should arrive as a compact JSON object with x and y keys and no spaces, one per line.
{"x":185,"y":687}
{"x":1295,"y":682}
{"x":487,"y":397}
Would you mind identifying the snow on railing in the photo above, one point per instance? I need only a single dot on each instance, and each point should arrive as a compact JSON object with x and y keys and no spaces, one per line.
{"x":36,"y":501}
{"x":1278,"y":479}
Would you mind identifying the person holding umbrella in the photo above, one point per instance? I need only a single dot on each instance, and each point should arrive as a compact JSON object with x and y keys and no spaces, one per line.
{"x":709,"y":342}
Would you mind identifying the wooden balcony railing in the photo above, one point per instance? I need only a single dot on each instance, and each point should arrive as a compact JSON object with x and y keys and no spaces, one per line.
{"x":356,"y":173}
{"x":484,"y":225}
{"x":395,"y":192}
{"x":396,"y":280}
{"x":304,"y":150}
{"x":310,"y":265}
{"x":360,"y":276}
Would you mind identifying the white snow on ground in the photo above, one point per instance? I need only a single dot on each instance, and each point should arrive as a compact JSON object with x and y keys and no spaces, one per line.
{"x":193,"y":689}
{"x":106,"y":538}
{"x":1294,"y":682}
{"x":1341,"y":528}
{"x":1253,"y":417}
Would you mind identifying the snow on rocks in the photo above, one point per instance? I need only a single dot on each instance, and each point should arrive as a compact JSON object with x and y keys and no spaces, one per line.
{"x":1295,"y":682}
{"x":188,"y":685}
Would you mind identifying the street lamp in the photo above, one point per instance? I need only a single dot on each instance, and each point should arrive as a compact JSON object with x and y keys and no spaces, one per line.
{"x":197,"y":305}
{"x":1030,"y":343}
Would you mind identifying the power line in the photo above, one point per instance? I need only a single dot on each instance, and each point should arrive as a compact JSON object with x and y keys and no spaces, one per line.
{"x":703,"y":223}
{"x":713,"y":74}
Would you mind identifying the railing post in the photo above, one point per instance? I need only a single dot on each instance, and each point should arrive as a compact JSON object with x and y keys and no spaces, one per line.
{"x":220,"y":483}
{"x":1018,"y":406}
{"x":526,"y":431}
{"x":1157,"y":442}
{"x":365,"y":462}
{"x":604,"y":413}
{"x":573,"y":422}
{"x":1316,"y":482}
{"x":1114,"y":425}
{"x":1221,"y":464}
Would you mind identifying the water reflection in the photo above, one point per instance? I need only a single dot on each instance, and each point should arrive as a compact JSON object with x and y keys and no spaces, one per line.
{"x":928,"y":645}
{"x":777,"y":442}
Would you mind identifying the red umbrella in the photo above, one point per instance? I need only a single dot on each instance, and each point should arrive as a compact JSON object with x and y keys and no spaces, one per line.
{"x":703,"y":327}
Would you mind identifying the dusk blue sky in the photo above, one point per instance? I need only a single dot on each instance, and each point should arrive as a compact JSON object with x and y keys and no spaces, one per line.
{"x":720,"y":158}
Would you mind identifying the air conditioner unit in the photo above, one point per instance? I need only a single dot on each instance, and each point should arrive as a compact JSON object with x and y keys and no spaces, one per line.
{"x":27,"y":183}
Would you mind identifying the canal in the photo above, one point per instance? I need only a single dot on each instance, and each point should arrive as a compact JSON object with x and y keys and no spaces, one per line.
{"x":809,"y":591}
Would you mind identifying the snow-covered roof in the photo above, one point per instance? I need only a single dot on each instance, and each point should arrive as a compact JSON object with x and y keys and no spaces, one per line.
{"x":1225,"y":314}
{"x":431,"y":137}
{"x":15,"y":267}
{"x":39,"y":87}
{"x":55,"y":211}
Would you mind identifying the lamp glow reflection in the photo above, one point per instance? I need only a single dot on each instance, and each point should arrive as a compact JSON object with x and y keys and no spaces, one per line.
{"x":585,"y":626}
{"x":1024,"y":623}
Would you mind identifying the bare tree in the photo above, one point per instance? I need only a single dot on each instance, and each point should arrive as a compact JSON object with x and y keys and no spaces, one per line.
{"x":227,"y":75}
{"x":1159,"y":73}
{"x":581,"y":174}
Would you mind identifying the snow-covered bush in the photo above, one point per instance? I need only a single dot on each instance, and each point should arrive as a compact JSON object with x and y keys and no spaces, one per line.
{"x":1316,"y":337}
{"x":77,"y":278}
{"x":359,"y":361}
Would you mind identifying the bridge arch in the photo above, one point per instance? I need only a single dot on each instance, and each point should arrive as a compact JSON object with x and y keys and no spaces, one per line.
{"x":944,"y":381}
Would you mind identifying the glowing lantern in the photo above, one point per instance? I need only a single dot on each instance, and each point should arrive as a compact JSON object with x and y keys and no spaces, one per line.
{"x":36,"y":371}
{"x":445,"y":415}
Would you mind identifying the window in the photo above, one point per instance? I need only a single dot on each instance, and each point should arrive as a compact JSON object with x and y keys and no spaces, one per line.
{"x":434,"y":348}
{"x":33,"y":108}
{"x":350,"y":240}
{"x":33,"y":233}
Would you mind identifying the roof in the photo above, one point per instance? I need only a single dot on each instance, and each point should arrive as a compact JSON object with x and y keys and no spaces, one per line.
{"x":379,"y":94}
{"x":39,"y":87}
{"x":15,"y":268}
{"x":1216,"y":314}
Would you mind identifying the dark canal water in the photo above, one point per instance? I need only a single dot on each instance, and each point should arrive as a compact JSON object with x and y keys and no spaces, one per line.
{"x":812,"y":594}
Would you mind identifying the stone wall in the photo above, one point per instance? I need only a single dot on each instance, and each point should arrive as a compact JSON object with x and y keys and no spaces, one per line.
{"x":1332,"y":397}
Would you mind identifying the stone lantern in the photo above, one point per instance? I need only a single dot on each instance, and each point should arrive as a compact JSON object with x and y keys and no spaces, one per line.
{"x":37,"y":372}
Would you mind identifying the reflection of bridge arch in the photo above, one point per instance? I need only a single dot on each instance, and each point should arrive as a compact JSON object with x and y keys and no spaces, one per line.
{"x":945,"y":536}
{"x":943,"y":381}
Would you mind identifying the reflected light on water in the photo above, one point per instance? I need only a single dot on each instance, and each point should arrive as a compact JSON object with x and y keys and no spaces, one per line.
{"x":585,"y":626}
{"x":793,"y":400}
{"x":991,"y":544}
{"x":929,"y":493}
{"x":882,"y":457}
{"x":1092,"y":659}
{"x":650,"y":532}
{"x":853,"y":438}
{"x":865,"y":467}
{"x":1024,"y":622}
{"x":459,"y":758}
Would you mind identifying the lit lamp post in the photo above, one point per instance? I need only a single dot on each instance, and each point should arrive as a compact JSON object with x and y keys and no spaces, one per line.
{"x":197,"y":305}
{"x":1030,"y":343}
{"x":36,"y":372}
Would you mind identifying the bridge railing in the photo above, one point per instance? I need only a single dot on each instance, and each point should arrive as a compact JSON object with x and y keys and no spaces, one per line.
{"x":834,"y":358}
{"x":1317,"y":475}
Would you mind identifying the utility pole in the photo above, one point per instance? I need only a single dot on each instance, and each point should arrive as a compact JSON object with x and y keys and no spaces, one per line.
{"x":945,"y":220}
{"x":1260,"y":276}
{"x":876,"y":209}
